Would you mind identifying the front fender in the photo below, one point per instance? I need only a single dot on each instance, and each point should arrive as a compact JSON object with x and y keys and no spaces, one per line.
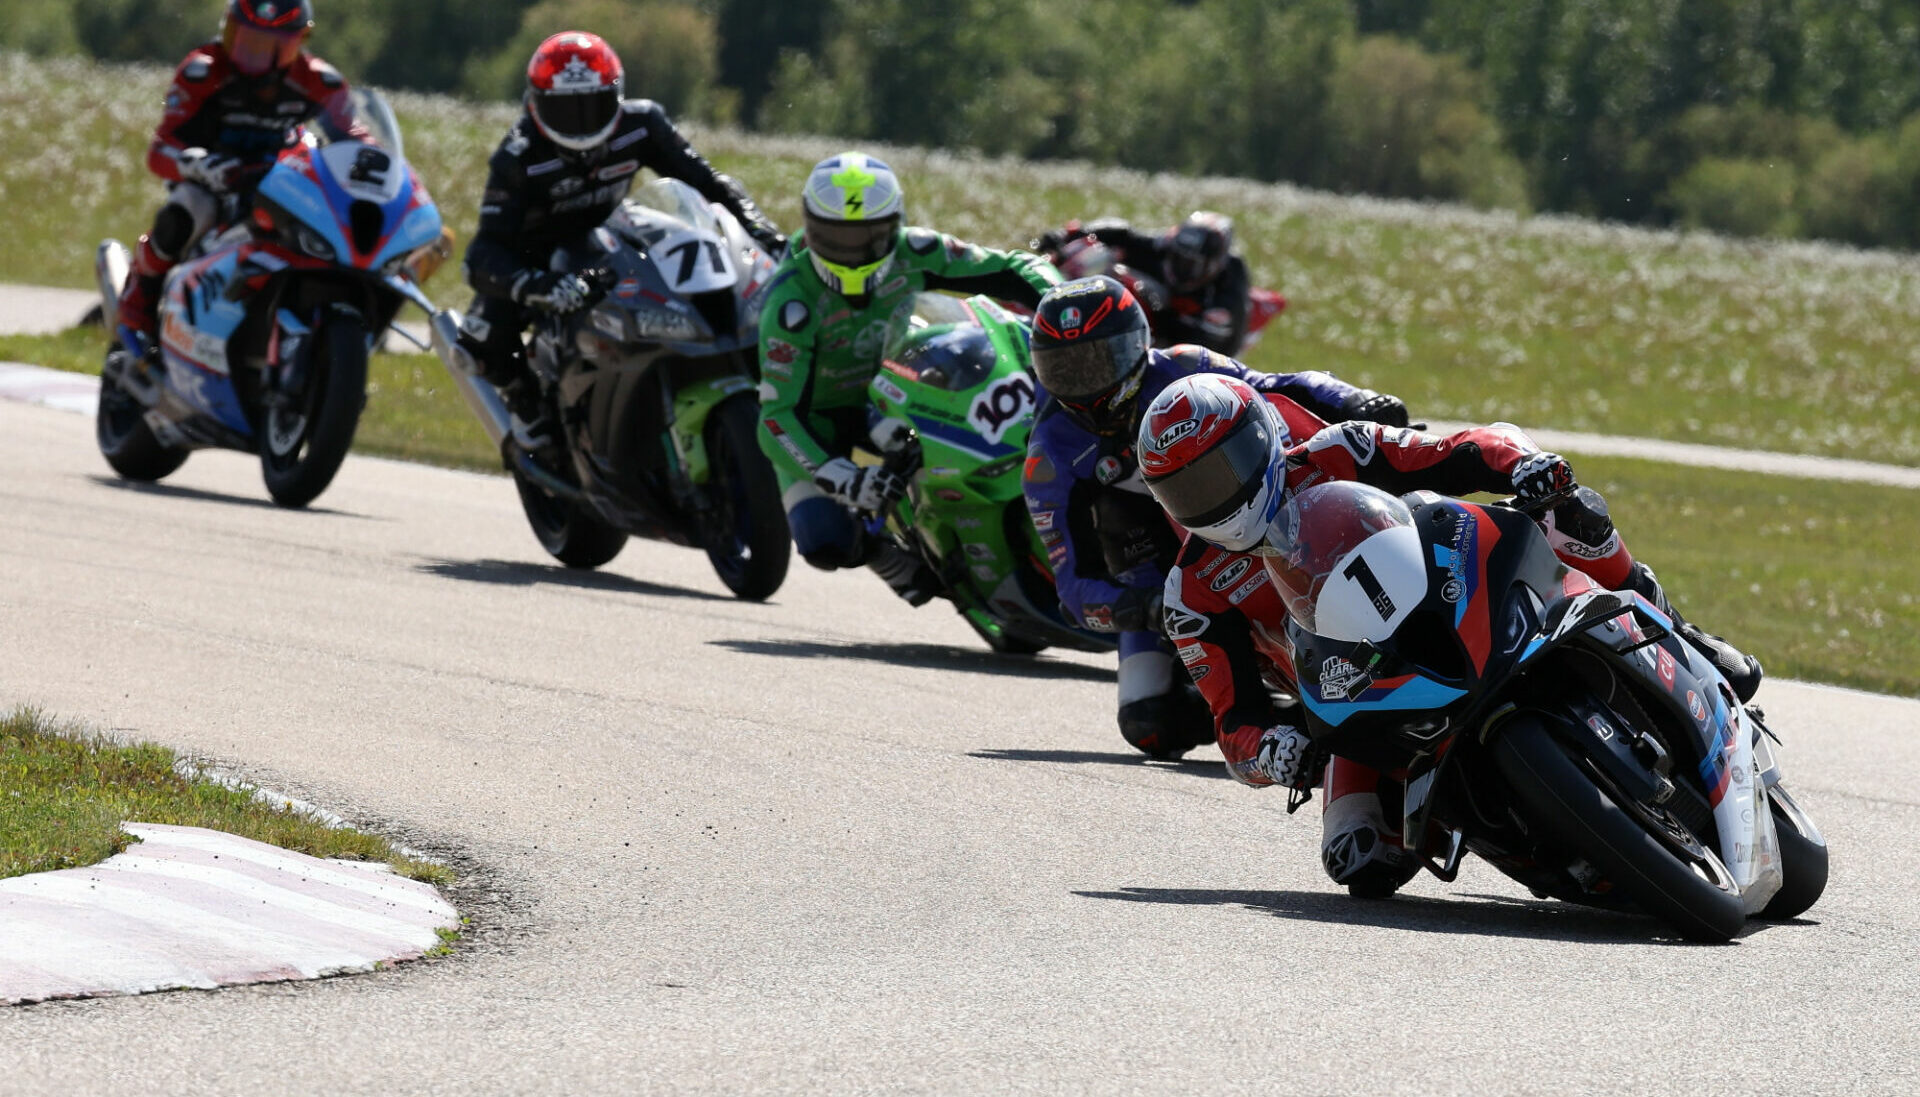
{"x":692,"y":407}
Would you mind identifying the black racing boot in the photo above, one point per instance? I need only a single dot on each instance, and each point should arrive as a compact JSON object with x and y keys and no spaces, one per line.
{"x":530,"y":424}
{"x":1167,"y":726}
{"x":905,"y":572}
{"x":1741,"y":671}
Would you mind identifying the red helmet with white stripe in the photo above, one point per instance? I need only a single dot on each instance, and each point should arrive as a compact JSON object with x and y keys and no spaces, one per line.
{"x":573,"y":90}
{"x":1214,"y":453}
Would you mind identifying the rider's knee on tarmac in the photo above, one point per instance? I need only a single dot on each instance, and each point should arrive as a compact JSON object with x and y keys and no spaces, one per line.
{"x":1167,"y":725}
{"x":824,"y":534}
{"x":1359,"y":850}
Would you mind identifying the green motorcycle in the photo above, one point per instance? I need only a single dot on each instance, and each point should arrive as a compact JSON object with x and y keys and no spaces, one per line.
{"x":958,"y":374}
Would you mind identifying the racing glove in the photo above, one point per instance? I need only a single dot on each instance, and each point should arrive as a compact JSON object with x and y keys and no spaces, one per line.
{"x":211,"y":170}
{"x":552,"y":292}
{"x":867,"y":489}
{"x":1375,"y":407}
{"x":1543,"y":476}
{"x":1287,"y":758}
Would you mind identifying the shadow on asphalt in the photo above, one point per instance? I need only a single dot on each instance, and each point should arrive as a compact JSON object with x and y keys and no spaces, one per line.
{"x":1130,"y":760}
{"x":1483,"y":915}
{"x":935,"y":656}
{"x":518,"y":573}
{"x":177,"y":491}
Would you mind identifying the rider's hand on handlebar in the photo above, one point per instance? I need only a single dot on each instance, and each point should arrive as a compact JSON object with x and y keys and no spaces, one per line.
{"x":867,"y":489}
{"x":1543,"y":476}
{"x":556,"y":293}
{"x":1287,"y":758}
{"x":215,"y":172}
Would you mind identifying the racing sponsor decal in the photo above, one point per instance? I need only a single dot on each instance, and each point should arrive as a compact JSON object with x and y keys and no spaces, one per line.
{"x":887,"y":389}
{"x":1231,"y":574}
{"x":1043,"y":520}
{"x":1192,"y":653}
{"x":781,"y":351}
{"x":628,"y":288}
{"x":1245,"y":590}
{"x":1338,"y":677}
{"x":1098,"y":618}
{"x":1697,"y":708}
{"x":1174,"y":433}
{"x":1199,"y":672}
{"x":618,"y":170}
{"x":794,"y":315}
{"x":1213,"y":565}
{"x":787,"y":443}
{"x":1600,"y":727}
{"x":1664,"y":666}
{"x":569,"y":185}
{"x":1109,"y":470}
{"x":1182,"y":623}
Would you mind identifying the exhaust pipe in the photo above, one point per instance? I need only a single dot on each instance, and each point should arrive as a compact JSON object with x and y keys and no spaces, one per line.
{"x":481,"y":397}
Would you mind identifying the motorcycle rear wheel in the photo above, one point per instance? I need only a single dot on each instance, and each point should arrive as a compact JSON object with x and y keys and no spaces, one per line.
{"x":120,"y":428}
{"x":1562,"y":798}
{"x":569,"y":534}
{"x":746,"y":532}
{"x":301,"y":449}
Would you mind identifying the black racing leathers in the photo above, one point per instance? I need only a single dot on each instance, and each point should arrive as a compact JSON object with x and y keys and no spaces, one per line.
{"x":538,"y":200}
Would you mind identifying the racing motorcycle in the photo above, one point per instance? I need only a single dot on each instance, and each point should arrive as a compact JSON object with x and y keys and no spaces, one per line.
{"x":1562,"y":732}
{"x":955,"y":372}
{"x":1086,"y":256}
{"x":266,"y":328}
{"x":655,"y":383}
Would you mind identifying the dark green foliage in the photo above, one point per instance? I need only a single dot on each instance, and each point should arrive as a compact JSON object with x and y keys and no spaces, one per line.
{"x":1780,"y":117}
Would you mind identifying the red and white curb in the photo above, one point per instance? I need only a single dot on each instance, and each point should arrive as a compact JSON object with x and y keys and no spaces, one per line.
{"x":38,"y":385}
{"x":192,"y":908}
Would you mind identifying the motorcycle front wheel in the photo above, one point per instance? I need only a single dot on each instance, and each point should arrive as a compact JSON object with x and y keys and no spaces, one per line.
{"x":302,"y":445}
{"x":746,"y":531}
{"x":1803,"y":859}
{"x":120,"y":428}
{"x":1663,"y":869}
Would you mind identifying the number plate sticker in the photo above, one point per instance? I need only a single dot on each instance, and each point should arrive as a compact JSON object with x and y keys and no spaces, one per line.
{"x":1004,"y":405}
{"x":693,"y":262}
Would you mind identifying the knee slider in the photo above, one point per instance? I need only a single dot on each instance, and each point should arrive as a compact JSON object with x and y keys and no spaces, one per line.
{"x":824,"y":534}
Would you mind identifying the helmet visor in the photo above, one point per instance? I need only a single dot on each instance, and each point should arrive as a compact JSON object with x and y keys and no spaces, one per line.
{"x":255,"y":51}
{"x":1214,"y":485}
{"x":1078,"y":374}
{"x":852,"y":243}
{"x":580,"y":116}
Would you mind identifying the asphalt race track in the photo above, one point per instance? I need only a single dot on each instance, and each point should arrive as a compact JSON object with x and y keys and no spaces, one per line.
{"x":830,"y":845}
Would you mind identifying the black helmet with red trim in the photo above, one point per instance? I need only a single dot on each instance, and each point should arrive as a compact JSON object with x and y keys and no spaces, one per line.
{"x":574,"y":83}
{"x":1198,"y":249}
{"x":260,"y":36}
{"x":1090,"y":342}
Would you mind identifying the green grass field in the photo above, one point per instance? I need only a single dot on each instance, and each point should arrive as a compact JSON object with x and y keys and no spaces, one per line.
{"x":67,"y":790}
{"x":1552,"y":322}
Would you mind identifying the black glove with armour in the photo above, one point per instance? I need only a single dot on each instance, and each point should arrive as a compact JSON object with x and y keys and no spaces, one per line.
{"x":1374,"y":407}
{"x":556,"y":292}
{"x":1543,"y":476}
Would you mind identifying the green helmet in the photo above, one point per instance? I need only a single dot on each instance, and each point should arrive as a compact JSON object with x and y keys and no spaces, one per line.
{"x":852,"y":209}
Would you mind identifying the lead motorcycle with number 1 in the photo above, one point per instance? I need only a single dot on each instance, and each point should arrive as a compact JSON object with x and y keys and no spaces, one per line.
{"x":1562,"y":732}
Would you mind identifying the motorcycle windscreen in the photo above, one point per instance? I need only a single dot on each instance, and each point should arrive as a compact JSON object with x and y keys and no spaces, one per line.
{"x":1347,"y":561}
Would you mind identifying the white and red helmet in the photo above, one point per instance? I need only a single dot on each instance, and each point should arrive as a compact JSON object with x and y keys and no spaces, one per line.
{"x":1214,"y":453}
{"x":573,"y":90}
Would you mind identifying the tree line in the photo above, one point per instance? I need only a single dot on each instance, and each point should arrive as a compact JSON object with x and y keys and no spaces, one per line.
{"x":1790,"y":118}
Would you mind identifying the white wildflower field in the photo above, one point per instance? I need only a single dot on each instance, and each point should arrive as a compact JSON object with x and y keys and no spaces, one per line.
{"x":1547,"y":321}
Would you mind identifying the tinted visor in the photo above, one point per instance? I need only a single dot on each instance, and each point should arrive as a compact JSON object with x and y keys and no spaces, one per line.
{"x":955,"y":360}
{"x":1221,"y":481}
{"x":254,"y":51}
{"x":852,"y":243}
{"x":1078,"y":374}
{"x":577,"y":115}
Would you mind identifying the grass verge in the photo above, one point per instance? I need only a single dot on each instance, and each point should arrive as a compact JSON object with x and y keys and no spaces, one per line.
{"x":67,"y":790}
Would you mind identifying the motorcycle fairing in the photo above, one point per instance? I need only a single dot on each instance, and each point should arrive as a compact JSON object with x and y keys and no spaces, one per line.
{"x":198,"y":319}
{"x":321,"y":188}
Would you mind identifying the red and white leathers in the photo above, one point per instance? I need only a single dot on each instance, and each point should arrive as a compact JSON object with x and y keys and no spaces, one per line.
{"x":217,"y":114}
{"x":1228,"y":624}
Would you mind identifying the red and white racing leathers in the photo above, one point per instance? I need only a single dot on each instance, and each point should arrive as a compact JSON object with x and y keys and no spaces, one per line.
{"x":1228,"y":624}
